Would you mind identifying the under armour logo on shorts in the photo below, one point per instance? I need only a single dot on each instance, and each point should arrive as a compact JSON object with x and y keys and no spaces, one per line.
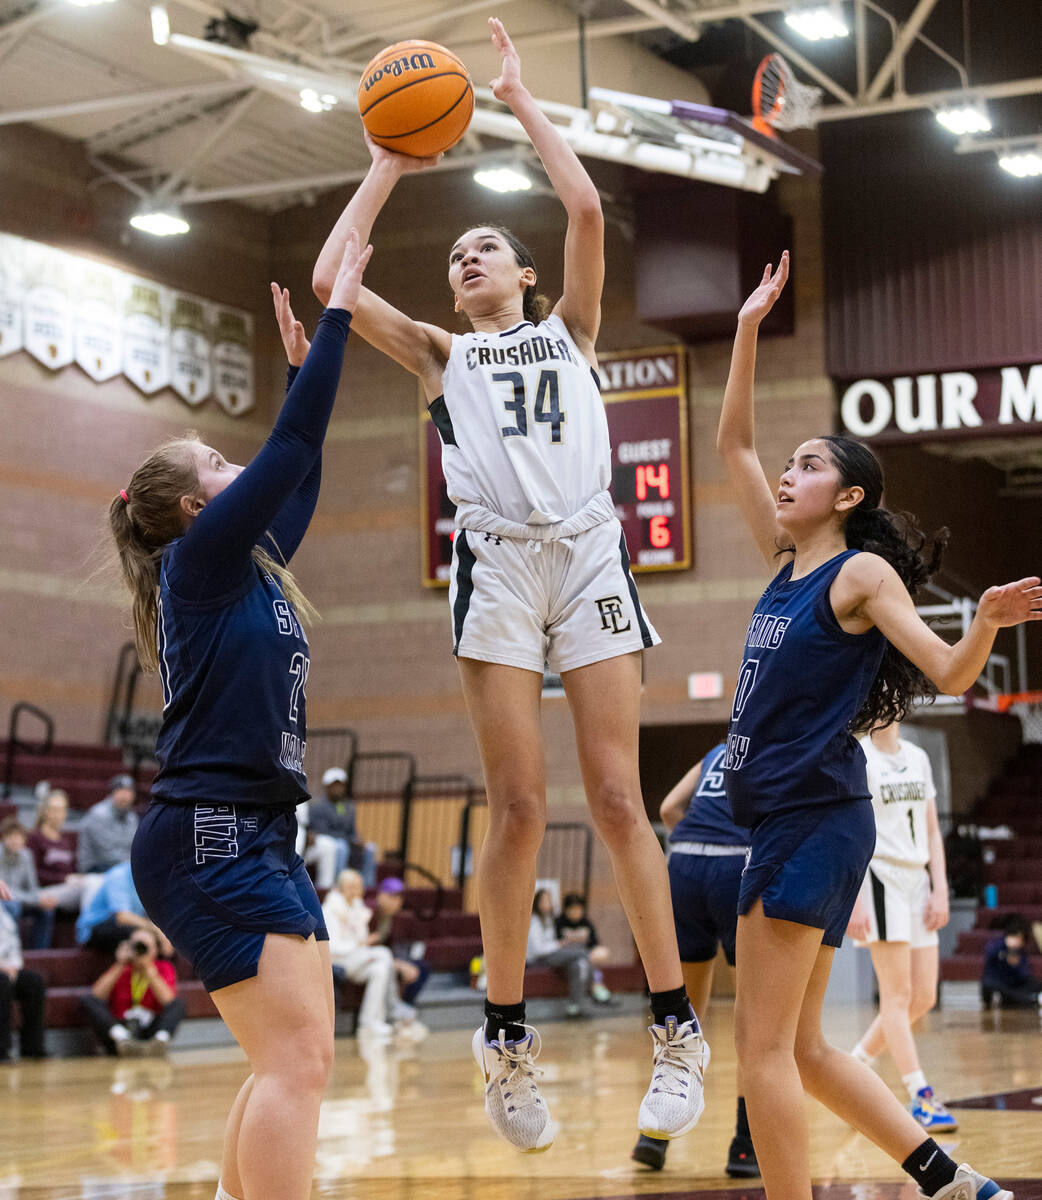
{"x":490,"y":536}
{"x":612,"y":614}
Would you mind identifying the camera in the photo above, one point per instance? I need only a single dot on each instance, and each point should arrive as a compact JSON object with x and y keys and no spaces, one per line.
{"x":139,"y":947}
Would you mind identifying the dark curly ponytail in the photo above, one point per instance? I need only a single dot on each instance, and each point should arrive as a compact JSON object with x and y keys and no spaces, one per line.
{"x":895,"y":536}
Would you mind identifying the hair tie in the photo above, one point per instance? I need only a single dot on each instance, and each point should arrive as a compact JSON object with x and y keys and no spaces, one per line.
{"x":123,"y":493}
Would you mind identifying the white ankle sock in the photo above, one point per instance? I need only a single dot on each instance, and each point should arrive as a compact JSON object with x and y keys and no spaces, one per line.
{"x":914,"y":1081}
{"x":862,"y":1055}
{"x":222,"y":1194}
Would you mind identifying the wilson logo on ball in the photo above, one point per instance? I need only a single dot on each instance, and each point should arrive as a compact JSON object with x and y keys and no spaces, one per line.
{"x":416,"y":98}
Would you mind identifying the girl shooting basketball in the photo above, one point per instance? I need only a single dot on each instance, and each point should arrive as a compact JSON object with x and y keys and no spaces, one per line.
{"x":835,"y":643}
{"x":204,"y":546}
{"x":538,"y":560}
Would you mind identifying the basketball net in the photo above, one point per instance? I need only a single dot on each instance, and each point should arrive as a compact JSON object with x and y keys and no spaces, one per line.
{"x":1027,"y":708}
{"x":780,"y":101}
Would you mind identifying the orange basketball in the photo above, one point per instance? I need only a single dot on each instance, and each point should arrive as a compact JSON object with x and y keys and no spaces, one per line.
{"x":416,"y":98}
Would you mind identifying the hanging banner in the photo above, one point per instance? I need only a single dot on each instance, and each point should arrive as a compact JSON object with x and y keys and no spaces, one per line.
{"x":98,"y":325}
{"x":190,"y":374}
{"x":48,"y":314}
{"x":64,"y":309}
{"x":12,"y":293}
{"x":146,"y":357}
{"x":233,"y":360}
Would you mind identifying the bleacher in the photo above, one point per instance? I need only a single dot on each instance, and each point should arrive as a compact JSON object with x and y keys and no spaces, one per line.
{"x":1011,"y":864}
{"x":437,"y":911}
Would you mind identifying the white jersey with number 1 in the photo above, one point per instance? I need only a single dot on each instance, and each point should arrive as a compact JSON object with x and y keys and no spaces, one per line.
{"x":522,"y":424}
{"x":901,"y":784}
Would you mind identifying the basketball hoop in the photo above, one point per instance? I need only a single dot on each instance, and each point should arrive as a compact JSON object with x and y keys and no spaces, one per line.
{"x":780,"y":101}
{"x":1027,"y":708}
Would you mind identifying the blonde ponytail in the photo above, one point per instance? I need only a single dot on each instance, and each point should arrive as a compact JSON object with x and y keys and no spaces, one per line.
{"x":146,"y":516}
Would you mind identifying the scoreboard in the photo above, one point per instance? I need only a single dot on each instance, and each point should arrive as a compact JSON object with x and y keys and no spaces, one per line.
{"x":645,"y":397}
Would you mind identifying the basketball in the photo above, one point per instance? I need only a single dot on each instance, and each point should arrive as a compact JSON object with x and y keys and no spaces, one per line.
{"x":416,"y":98}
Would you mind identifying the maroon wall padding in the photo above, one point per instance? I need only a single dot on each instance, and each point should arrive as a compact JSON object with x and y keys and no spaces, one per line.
{"x":932,"y":258}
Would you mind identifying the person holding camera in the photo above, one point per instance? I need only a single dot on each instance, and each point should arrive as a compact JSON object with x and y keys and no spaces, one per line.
{"x":134,"y":1007}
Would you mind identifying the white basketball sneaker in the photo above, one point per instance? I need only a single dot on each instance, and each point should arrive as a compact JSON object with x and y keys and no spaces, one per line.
{"x":675,"y":1100}
{"x":968,"y":1185}
{"x":516,"y":1109}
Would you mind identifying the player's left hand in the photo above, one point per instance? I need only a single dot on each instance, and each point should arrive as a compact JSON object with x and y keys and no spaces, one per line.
{"x":1012,"y":604}
{"x":762,"y":300}
{"x":935,"y":914}
{"x":509,"y":78}
{"x":348,"y":282}
{"x":292,"y":331}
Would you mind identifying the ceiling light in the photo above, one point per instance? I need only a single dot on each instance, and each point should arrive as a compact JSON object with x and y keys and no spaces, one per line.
{"x":818,"y":24}
{"x":1024,"y":165}
{"x":160,"y":24}
{"x":962,"y":119}
{"x":313,"y":102}
{"x":503,"y":179}
{"x":160,"y":223}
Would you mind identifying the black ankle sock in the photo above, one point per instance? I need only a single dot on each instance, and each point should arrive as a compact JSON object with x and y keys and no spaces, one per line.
{"x":510,"y":1018}
{"x":930,"y":1167}
{"x":671,"y":1004}
{"x":741,"y":1125}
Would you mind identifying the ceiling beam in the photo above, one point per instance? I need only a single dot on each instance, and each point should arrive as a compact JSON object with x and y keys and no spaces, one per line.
{"x":667,"y":19}
{"x":389,"y":33}
{"x":895,"y":104}
{"x":909,"y":31}
{"x":74,"y":108}
{"x":202,"y":151}
{"x":793,"y":56}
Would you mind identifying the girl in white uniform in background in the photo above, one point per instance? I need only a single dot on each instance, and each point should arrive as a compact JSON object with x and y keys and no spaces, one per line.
{"x":540,"y":576}
{"x":903,"y":902}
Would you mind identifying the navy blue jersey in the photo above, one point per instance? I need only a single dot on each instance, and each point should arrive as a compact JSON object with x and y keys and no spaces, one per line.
{"x":233,"y":659}
{"x":801,"y":684}
{"x":708,"y":817}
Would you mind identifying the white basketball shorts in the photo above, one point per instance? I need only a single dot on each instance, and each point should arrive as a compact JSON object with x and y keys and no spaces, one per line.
{"x":896,"y":897}
{"x":563,"y":604}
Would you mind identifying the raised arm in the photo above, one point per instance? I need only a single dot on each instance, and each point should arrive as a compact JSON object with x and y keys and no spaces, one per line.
{"x":580,"y":305}
{"x":421,"y":348}
{"x":735,"y":437}
{"x":676,"y":803}
{"x":868,"y":588}
{"x":217,"y":548}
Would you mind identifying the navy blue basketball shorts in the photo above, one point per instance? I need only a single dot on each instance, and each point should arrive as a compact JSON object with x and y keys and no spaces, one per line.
{"x":217,"y":878}
{"x":705,"y":903}
{"x":807,"y":865}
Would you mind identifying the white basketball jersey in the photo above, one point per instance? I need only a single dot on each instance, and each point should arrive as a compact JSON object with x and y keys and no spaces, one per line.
{"x":900,"y":784}
{"x":522,"y":423}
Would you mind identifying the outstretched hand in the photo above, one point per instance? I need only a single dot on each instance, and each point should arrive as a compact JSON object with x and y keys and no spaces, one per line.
{"x":1012,"y":604}
{"x":292,"y":331}
{"x":348,"y":282}
{"x":403,"y":163}
{"x":762,"y":300}
{"x":509,"y":78}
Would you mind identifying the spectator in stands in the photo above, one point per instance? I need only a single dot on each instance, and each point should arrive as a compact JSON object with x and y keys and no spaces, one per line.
{"x":545,"y":950}
{"x":574,"y":928}
{"x":356,"y":956}
{"x":18,"y":871}
{"x":113,"y":913}
{"x":333,"y":815}
{"x":1007,"y":979}
{"x":409,"y":963}
{"x":134,"y":1007}
{"x":106,"y":832}
{"x":324,"y":856}
{"x":17,"y":983}
{"x":53,"y":849}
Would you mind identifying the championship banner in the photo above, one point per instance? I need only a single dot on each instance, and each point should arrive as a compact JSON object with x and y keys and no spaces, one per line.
{"x":48,"y":313}
{"x":97,"y":322}
{"x":64,"y":309}
{"x":146,"y":345}
{"x":190,"y":374}
{"x":12,"y":293}
{"x":233,"y":361}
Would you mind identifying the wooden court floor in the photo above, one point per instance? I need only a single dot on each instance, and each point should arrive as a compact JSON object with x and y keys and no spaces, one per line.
{"x":404,"y":1124}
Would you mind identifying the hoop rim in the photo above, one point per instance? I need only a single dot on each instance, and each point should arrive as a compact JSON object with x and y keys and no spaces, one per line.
{"x":1006,"y":700}
{"x":763,"y":120}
